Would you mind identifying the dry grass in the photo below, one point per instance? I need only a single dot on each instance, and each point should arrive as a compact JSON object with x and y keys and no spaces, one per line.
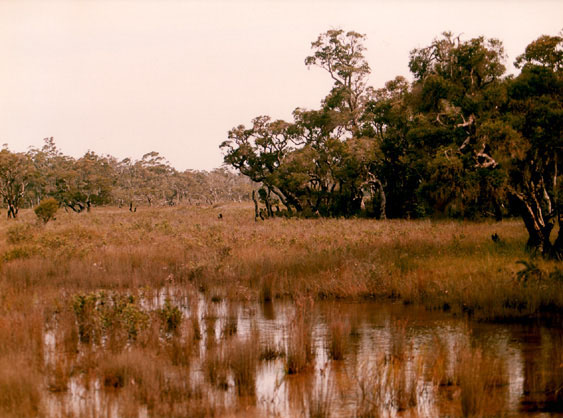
{"x":339,"y":332}
{"x":243,"y":362}
{"x":299,"y":352}
{"x":440,"y":263}
{"x":20,"y":388}
{"x":95,"y":279}
{"x":478,"y":375}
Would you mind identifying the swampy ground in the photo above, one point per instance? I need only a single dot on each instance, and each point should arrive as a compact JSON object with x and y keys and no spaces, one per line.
{"x":177,"y":312}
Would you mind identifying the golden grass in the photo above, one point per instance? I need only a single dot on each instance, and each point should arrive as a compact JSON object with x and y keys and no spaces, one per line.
{"x":149,"y":351}
{"x":444,"y":264}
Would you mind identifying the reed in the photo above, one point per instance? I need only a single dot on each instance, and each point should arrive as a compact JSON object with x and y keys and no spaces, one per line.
{"x":478,"y":375}
{"x":20,"y":388}
{"x":243,"y":361}
{"x":300,"y":352}
{"x":339,"y":333}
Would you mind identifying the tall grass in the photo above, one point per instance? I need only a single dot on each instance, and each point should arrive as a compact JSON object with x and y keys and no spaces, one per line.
{"x":300,"y":351}
{"x":95,"y":282}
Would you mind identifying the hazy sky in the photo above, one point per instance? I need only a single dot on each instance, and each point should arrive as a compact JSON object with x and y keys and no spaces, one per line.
{"x":128,"y":77}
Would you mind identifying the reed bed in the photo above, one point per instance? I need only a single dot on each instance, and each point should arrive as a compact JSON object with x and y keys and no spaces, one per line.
{"x":89,"y":299}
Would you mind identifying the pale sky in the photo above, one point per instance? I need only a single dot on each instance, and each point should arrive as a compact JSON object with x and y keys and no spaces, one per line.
{"x":129,"y":77}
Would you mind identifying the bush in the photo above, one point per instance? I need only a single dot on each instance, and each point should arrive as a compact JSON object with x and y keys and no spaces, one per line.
{"x":19,"y":233}
{"x":47,"y":209}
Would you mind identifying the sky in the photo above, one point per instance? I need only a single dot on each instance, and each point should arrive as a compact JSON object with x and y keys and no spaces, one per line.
{"x":129,"y":77}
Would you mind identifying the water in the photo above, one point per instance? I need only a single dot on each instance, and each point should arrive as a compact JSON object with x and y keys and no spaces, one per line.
{"x":398,"y":360}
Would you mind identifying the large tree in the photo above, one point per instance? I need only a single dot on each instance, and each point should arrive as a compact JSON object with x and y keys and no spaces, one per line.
{"x":535,"y":118}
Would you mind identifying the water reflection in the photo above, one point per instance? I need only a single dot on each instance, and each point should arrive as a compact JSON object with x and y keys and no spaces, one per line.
{"x":364,"y":359}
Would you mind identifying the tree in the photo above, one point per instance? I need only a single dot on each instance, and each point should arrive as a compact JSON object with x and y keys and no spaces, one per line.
{"x":341,"y":55}
{"x":457,"y":97}
{"x":535,"y":119}
{"x":16,"y":171}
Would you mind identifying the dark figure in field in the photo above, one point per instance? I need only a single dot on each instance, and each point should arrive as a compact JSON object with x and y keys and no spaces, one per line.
{"x":220,"y":216}
{"x":495,"y":237}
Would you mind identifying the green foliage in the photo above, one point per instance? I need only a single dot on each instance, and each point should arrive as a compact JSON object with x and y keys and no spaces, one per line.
{"x":100,"y":313}
{"x":171,"y":316}
{"x":460,"y":141}
{"x":46,"y":209}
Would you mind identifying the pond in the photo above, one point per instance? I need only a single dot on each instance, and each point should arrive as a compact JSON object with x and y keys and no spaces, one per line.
{"x":305,"y":358}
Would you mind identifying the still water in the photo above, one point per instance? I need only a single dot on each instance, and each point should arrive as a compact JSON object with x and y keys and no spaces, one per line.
{"x":390,"y":360}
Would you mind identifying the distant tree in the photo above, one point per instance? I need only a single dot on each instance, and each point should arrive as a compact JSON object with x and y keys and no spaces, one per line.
{"x":85,"y":182}
{"x":16,"y":171}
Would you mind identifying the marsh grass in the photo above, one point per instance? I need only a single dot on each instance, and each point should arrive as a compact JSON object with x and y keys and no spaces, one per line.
{"x":320,"y":399}
{"x":243,"y":362}
{"x":216,"y":368}
{"x":300,"y":351}
{"x":95,"y":281}
{"x":478,"y":375}
{"x":20,"y":388}
{"x":339,"y":333}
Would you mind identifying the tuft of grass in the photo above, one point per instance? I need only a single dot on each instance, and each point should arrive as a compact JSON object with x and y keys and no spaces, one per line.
{"x":477,"y":375}
{"x":299,"y":352}
{"x":243,"y":361}
{"x":216,"y":368}
{"x":339,"y":333}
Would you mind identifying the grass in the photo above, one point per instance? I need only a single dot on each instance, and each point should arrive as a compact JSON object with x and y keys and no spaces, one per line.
{"x":300,"y":351}
{"x":102,"y":285}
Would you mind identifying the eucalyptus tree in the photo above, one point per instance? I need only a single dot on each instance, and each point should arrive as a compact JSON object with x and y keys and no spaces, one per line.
{"x":340,"y":53}
{"x":457,"y":96}
{"x":16,"y":172}
{"x":532,"y":143}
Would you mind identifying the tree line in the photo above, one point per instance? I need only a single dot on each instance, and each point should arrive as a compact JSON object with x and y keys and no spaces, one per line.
{"x":462,"y":139}
{"x":93,"y":180}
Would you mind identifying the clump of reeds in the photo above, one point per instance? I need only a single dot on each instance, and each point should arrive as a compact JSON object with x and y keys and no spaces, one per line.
{"x":320,"y":399}
{"x":215,"y":368}
{"x":478,"y":376}
{"x":266,"y":287}
{"x":370,"y":392}
{"x":390,"y":383}
{"x":230,"y":325}
{"x":300,"y":351}
{"x":339,"y":332}
{"x":180,"y":347}
{"x":438,"y":367}
{"x":243,"y":362}
{"x":271,"y":351}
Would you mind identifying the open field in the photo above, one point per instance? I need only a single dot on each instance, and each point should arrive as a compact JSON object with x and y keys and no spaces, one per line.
{"x":162,"y":312}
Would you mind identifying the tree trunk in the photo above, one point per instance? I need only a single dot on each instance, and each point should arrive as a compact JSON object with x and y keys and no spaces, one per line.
{"x":382,"y":199}
{"x":12,"y":211}
{"x":256,"y":213}
{"x":539,"y":229}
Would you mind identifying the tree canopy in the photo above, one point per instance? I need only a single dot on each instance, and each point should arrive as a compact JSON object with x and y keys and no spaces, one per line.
{"x":462,"y":139}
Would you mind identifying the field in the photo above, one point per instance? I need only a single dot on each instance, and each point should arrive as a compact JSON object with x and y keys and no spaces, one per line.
{"x":161,"y":313}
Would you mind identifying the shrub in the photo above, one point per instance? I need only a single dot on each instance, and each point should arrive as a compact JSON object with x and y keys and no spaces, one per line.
{"x":18,"y":233}
{"x":171,"y":316}
{"x":47,"y":209}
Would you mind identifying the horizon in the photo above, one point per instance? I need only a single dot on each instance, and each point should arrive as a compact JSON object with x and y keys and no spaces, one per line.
{"x":127,"y":78}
